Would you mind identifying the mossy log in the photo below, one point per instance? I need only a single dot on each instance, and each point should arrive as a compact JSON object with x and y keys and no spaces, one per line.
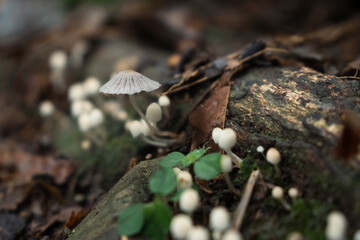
{"x":295,"y":109}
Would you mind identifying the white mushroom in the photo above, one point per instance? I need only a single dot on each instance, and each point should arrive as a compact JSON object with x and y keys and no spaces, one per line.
{"x":273,"y":156}
{"x":232,"y":234}
{"x":198,"y":233}
{"x":278,"y":194}
{"x":226,"y":139}
{"x":91,"y":86}
{"x":294,"y":193}
{"x":129,"y":82}
{"x":336,"y":226}
{"x":189,"y":200}
{"x":46,"y":108}
{"x":184,"y":179}
{"x":219,"y":218}
{"x":180,"y":226}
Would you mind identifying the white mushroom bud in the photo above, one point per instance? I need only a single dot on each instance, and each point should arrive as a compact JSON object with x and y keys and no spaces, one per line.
{"x":184,"y":179}
{"x":278,"y":193}
{"x":135,"y":128}
{"x":189,"y":200}
{"x":227,"y":138}
{"x":294,"y":193}
{"x":232,"y":234}
{"x":164,"y":101}
{"x":336,"y":226}
{"x":216,"y":134}
{"x":85,"y":145}
{"x":295,"y":236}
{"x":153,"y":112}
{"x":226,"y":164}
{"x":91,"y":86}
{"x":80,"y":106}
{"x":260,"y":149}
{"x":84,"y":122}
{"x":357,"y":235}
{"x":46,"y":108}
{"x":58,"y":60}
{"x":97,"y":117}
{"x":273,"y":156}
{"x":177,"y":170}
{"x":76,"y":92}
{"x":180,"y":226}
{"x":146,"y":131}
{"x":120,"y":115}
{"x":198,"y":233}
{"x":219,"y":218}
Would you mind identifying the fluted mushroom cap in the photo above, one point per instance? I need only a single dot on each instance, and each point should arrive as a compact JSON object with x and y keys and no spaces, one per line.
{"x":128,"y":82}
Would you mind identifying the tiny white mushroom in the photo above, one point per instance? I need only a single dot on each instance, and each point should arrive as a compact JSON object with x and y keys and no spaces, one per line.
{"x":216,"y":134}
{"x":153,"y":112}
{"x":84,"y":122}
{"x":145,"y":128}
{"x":57,"y":64}
{"x":184,"y":179}
{"x":76,"y":92}
{"x":260,"y":149}
{"x":91,"y":86}
{"x":80,"y":106}
{"x":198,"y":233}
{"x":336,"y":226}
{"x":226,"y":141}
{"x":294,"y":193}
{"x":135,"y":128}
{"x":180,"y":226}
{"x":97,"y":117}
{"x":46,"y":108}
{"x":273,"y":157}
{"x":164,"y":101}
{"x":85,"y":145}
{"x":219,"y":218}
{"x":232,"y":234}
{"x":278,"y":193}
{"x":189,"y":200}
{"x":295,"y":236}
{"x":226,"y":164}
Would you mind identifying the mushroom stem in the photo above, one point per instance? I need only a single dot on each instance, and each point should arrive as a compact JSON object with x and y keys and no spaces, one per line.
{"x":152,"y":128}
{"x":277,"y":170}
{"x":230,"y":185}
{"x":154,"y":143}
{"x":235,"y":158}
{"x":169,"y":141}
{"x":285,"y":204}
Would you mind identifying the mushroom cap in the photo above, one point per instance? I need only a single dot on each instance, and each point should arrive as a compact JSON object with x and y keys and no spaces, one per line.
{"x":219,"y":218}
{"x":128,"y":82}
{"x":273,"y":156}
{"x":277,"y":192}
{"x":180,"y":225}
{"x":226,"y":164}
{"x":189,"y":200}
{"x":232,"y":234}
{"x":198,"y":233}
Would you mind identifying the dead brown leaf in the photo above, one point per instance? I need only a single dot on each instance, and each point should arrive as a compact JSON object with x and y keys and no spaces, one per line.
{"x":209,"y":115}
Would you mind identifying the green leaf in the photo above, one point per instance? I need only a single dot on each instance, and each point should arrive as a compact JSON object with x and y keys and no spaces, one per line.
{"x":172,"y":159}
{"x":192,"y":157}
{"x":208,"y":167}
{"x":158,"y":216}
{"x":131,"y":220}
{"x":163,"y":181}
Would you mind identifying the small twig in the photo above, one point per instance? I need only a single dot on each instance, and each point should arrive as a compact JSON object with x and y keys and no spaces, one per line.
{"x":241,"y":209}
{"x":231,"y":185}
{"x":349,"y":77}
